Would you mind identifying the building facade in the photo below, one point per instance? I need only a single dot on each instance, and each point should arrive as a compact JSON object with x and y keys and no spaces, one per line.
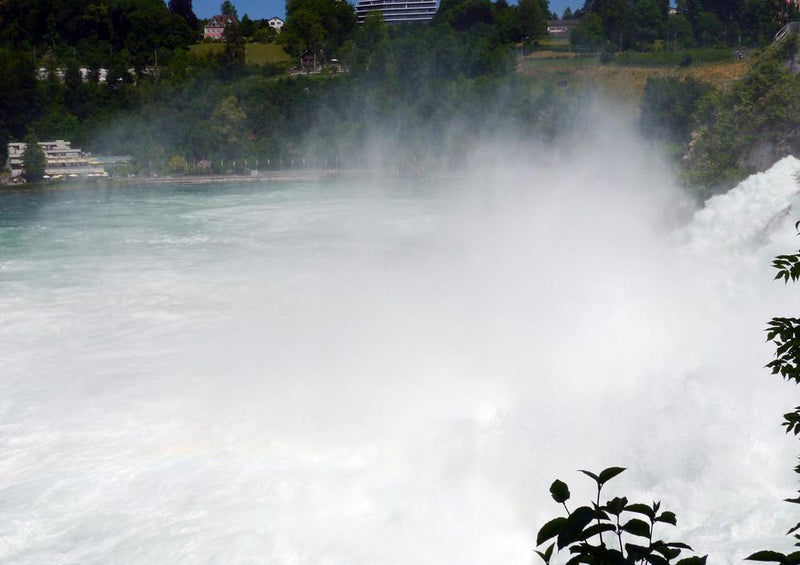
{"x":561,"y":27}
{"x":62,"y":160}
{"x":397,"y":11}
{"x":215,"y":28}
{"x":276,"y":23}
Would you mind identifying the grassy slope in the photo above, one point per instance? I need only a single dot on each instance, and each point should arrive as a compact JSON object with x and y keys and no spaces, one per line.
{"x":624,"y":83}
{"x":257,"y":53}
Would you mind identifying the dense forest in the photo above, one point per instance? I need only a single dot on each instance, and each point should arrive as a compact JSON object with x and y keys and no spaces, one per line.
{"x":624,"y":24}
{"x":427,"y":88}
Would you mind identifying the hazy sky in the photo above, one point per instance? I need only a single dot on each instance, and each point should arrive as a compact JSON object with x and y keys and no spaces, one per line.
{"x":268,"y":8}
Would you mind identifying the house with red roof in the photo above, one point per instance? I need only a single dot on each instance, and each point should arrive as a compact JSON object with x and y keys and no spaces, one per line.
{"x":215,"y":28}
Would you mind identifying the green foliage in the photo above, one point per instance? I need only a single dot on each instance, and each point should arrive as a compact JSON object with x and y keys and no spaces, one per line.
{"x":33,"y":160}
{"x":233,"y":38}
{"x":581,"y":531}
{"x":758,"y":115}
{"x":707,"y":29}
{"x":183,"y":8}
{"x":590,"y":32}
{"x":785,"y":334}
{"x":266,"y":34}
{"x":679,"y":32}
{"x":314,"y":25}
{"x":533,"y":16}
{"x":648,"y":21}
{"x":94,"y":31}
{"x":228,"y":9}
{"x":708,"y":23}
{"x":667,"y":107}
{"x":617,"y":18}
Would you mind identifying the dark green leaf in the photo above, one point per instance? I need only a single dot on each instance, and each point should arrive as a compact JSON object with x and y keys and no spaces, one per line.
{"x":656,"y":559}
{"x":770,"y":556}
{"x":637,"y":551}
{"x":550,"y":530}
{"x":793,"y":558}
{"x":547,"y":553}
{"x":667,"y":517}
{"x":610,"y":473}
{"x":589,"y":473}
{"x":615,"y":557}
{"x":637,"y":527}
{"x":559,"y":491}
{"x":572,"y":530}
{"x":616,"y":505}
{"x":694,"y":560}
{"x":667,"y":552}
{"x":641,"y":509}
{"x":794,"y":529}
{"x":597,"y":529}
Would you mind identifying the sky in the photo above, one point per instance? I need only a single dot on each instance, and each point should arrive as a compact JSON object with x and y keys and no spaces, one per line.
{"x":258,"y":9}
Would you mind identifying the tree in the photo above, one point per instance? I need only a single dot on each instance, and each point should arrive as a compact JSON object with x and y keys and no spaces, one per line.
{"x":679,"y":32}
{"x":581,"y":530}
{"x":229,"y":124}
{"x":234,"y":50}
{"x":707,"y":29}
{"x":228,"y":9}
{"x":648,"y":20}
{"x":616,"y":17}
{"x":318,"y":24}
{"x":667,"y":107}
{"x":304,"y":32}
{"x":33,"y":160}
{"x":759,"y":21}
{"x":567,"y":14}
{"x":176,"y":164}
{"x":265,"y":34}
{"x":183,"y":8}
{"x":248,"y":27}
{"x":533,"y":17}
{"x":467,"y":13}
{"x":589,"y":32}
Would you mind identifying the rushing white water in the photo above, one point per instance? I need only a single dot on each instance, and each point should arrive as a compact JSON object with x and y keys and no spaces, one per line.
{"x":394,"y":372}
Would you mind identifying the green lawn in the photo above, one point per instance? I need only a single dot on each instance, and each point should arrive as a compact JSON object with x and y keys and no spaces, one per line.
{"x":263,"y":53}
{"x":256,"y":53}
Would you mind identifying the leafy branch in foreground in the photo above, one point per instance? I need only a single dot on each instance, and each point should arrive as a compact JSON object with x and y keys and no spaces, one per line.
{"x":785,"y":334}
{"x":581,"y":530}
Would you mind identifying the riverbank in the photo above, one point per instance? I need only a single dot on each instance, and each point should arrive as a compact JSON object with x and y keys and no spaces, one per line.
{"x":261,"y":176}
{"x":309,"y":175}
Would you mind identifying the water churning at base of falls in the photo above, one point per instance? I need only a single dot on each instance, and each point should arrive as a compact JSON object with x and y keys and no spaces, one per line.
{"x":387,"y":371}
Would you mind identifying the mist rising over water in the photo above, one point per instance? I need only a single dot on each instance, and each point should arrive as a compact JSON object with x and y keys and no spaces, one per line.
{"x":390,"y":370}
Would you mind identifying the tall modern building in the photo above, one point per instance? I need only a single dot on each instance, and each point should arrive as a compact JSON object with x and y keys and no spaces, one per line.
{"x":397,"y":11}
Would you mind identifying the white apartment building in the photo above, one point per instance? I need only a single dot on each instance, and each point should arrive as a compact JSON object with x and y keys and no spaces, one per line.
{"x":62,"y":161}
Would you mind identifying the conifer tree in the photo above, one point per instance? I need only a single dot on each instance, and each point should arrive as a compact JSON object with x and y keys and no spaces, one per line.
{"x":183,"y":8}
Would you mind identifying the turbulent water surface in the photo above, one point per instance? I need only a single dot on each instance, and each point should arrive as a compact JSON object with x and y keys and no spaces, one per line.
{"x":386,"y":372}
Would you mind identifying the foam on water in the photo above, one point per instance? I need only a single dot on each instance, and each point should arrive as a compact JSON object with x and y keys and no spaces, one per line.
{"x":387,"y":372}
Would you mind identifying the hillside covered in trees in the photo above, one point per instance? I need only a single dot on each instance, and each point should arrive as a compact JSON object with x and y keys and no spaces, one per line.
{"x":626,"y":24}
{"x":426,"y":89}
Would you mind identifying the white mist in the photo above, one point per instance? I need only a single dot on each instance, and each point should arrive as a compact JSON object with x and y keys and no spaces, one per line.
{"x":389,"y":371}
